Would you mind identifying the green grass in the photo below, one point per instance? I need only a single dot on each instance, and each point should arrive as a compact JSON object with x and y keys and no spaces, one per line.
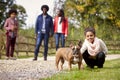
{"x":111,"y":71}
{"x":114,"y":52}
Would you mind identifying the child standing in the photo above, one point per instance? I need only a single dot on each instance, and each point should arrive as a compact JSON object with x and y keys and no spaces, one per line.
{"x":93,"y":49}
{"x":11,"y":27}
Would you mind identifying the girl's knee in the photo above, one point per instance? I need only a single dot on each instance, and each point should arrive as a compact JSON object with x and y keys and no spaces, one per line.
{"x":101,"y":55}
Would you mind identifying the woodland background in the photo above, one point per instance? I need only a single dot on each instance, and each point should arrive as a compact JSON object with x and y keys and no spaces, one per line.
{"x":103,"y":15}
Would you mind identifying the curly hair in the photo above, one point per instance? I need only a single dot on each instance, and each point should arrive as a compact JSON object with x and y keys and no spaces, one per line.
{"x":13,"y":11}
{"x":45,"y":6}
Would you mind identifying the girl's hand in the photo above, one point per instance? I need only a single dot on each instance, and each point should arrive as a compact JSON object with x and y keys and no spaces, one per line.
{"x":92,"y":57}
{"x":65,"y":37}
{"x":36,"y":36}
{"x":14,"y":28}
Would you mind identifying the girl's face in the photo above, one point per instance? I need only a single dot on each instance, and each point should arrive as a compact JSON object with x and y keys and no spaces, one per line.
{"x":13,"y":15}
{"x":59,"y":13}
{"x":90,"y":36}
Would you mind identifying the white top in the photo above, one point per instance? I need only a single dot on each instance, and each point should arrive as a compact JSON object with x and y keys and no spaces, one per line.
{"x":94,"y":48}
{"x":59,"y":29}
{"x":43,"y":27}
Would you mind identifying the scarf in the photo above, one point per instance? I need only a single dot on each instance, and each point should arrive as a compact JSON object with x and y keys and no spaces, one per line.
{"x":93,"y":48}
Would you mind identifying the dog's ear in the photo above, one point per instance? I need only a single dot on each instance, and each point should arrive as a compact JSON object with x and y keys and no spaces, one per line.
{"x":78,"y":47}
{"x":71,"y":46}
{"x":80,"y":43}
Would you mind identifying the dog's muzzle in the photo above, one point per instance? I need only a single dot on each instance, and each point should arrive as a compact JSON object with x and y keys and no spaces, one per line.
{"x":75,"y":59}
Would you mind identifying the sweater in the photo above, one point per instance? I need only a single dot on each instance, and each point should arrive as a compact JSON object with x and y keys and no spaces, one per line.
{"x":94,"y":48}
{"x":9,"y":24}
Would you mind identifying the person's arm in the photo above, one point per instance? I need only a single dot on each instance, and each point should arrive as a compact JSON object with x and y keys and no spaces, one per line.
{"x":52,"y":27}
{"x":66,"y":27}
{"x":54,"y":24}
{"x":6,"y":26}
{"x":104,"y":48}
{"x":36,"y":27}
{"x":83,"y":48}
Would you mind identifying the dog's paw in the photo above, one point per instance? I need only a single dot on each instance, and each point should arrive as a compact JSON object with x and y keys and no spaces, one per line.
{"x":57,"y":69}
{"x":81,"y":67}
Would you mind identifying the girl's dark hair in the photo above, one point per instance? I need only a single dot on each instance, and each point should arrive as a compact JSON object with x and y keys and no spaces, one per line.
{"x":45,"y":6}
{"x":13,"y":11}
{"x":90,"y":29}
{"x":62,"y":15}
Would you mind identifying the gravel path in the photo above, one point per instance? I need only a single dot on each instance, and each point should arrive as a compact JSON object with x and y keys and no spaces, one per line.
{"x":26,"y":69}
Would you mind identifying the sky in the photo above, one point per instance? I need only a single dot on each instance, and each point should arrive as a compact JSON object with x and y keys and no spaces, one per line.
{"x":33,"y":9}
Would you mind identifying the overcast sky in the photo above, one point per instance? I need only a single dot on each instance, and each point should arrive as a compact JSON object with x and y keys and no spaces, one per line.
{"x":33,"y":8}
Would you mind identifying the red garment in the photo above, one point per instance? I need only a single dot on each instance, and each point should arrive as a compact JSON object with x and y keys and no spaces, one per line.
{"x":64,"y":26}
{"x":10,"y":46}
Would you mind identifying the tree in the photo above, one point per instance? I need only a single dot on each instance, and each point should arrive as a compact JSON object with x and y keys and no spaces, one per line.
{"x":21,"y":14}
{"x":5,"y":6}
{"x":58,"y":4}
{"x":103,"y":15}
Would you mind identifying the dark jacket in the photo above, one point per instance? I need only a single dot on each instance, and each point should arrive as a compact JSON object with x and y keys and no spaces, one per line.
{"x":48,"y":24}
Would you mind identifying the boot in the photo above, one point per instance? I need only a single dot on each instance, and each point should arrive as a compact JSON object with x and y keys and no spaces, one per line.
{"x":45,"y":58}
{"x":35,"y":58}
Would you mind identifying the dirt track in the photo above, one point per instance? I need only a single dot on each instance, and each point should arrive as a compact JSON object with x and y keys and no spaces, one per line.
{"x":26,"y":69}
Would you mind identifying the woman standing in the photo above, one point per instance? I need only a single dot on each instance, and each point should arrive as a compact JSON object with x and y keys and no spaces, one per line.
{"x":60,"y":28}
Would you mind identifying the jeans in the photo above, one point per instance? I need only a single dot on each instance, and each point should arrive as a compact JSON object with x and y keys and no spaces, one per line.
{"x":41,"y":37}
{"x":59,"y":36}
{"x":10,"y":46}
{"x":98,"y":61}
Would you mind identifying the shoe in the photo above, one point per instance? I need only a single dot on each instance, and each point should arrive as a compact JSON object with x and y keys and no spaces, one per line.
{"x":12,"y":58}
{"x":90,"y":66}
{"x":35,"y":59}
{"x":101,"y":66}
{"x":45,"y":59}
{"x":7,"y":58}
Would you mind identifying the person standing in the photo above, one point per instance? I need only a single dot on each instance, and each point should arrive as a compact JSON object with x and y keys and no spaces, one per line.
{"x":11,"y":27}
{"x":60,"y":28}
{"x":93,"y":49}
{"x":43,"y":29}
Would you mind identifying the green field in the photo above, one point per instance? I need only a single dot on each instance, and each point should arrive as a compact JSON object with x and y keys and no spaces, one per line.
{"x":111,"y":71}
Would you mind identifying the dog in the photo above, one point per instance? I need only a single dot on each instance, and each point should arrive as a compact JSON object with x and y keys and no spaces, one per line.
{"x":71,"y":54}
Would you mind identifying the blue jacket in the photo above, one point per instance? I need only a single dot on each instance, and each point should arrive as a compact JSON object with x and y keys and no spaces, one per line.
{"x":48,"y":24}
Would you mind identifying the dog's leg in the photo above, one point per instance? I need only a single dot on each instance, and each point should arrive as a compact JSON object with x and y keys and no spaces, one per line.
{"x":62,"y":62}
{"x":80,"y":65}
{"x":70,"y":66}
{"x":57,"y":62}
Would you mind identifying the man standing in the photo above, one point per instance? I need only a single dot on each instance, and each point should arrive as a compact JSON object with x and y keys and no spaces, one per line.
{"x":43,"y":29}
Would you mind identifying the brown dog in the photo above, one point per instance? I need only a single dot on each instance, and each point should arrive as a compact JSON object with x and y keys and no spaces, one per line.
{"x":72,"y":55}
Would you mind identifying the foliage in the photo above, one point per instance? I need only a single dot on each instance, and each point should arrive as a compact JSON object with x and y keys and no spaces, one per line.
{"x":5,"y":6}
{"x":21,"y":14}
{"x":27,"y":32}
{"x":103,"y":15}
{"x":109,"y":72}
